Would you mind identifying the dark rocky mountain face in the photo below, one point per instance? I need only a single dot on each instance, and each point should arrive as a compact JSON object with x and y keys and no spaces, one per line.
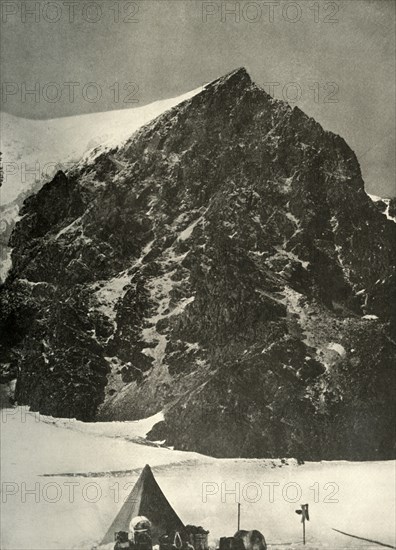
{"x":8,"y":216}
{"x":225,"y":265}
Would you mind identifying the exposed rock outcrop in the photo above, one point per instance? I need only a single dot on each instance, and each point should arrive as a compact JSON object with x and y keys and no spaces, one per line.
{"x":225,"y":265}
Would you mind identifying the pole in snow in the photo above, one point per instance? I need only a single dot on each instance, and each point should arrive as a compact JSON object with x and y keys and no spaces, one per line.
{"x":304,"y":516}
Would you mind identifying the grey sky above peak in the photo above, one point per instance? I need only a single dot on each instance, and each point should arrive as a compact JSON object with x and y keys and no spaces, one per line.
{"x":335,"y":60}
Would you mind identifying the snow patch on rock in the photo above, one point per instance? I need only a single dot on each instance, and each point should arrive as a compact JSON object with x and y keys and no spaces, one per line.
{"x":110,"y":293}
{"x":337,"y":348}
{"x":376,"y":198}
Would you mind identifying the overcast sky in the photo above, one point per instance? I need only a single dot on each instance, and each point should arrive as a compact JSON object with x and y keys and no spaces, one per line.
{"x":336,"y":60}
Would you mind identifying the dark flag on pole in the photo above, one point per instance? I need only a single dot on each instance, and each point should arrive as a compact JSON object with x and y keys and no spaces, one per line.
{"x":303,"y":512}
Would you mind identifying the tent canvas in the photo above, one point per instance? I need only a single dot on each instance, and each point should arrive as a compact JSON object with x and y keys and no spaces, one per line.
{"x":146,"y":499}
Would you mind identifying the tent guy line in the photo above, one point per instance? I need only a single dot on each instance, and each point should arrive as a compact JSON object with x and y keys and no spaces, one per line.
{"x":362,"y":538}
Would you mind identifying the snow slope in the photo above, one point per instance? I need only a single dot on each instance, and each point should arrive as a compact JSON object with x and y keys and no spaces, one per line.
{"x":103,"y":466}
{"x":49,"y":145}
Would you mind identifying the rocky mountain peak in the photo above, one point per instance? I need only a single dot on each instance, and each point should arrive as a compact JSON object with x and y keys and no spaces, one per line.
{"x":237,"y":79}
{"x":227,"y":248}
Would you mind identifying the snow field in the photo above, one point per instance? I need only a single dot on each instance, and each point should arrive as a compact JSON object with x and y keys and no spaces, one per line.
{"x":354,"y":497}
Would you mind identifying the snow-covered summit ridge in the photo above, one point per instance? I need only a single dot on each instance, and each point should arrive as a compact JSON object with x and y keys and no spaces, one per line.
{"x":35,"y":149}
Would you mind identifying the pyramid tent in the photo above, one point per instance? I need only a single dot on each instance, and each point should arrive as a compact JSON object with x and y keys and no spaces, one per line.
{"x":146,"y":499}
